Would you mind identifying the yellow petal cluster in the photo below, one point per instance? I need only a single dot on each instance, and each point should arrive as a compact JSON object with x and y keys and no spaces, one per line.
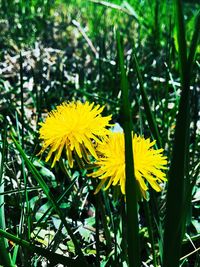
{"x":74,"y":127}
{"x":149,"y":163}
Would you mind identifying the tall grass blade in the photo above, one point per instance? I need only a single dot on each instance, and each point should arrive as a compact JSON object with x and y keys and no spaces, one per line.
{"x":97,"y":231}
{"x":5,"y":258}
{"x":194,"y":42}
{"x":174,"y":222}
{"x":50,"y":197}
{"x":22,"y":100}
{"x":150,"y":117}
{"x":150,"y":231}
{"x":154,"y":130}
{"x":130,"y":187}
{"x":26,"y":208}
{"x":133,"y":13}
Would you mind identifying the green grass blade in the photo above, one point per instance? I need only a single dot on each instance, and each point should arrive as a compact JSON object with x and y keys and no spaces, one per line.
{"x":194,"y":42}
{"x":174,"y":222}
{"x":97,"y":217}
{"x":150,"y":231}
{"x":50,"y":197}
{"x":4,"y":253}
{"x":26,"y":209}
{"x":22,"y":100}
{"x":130,"y":187}
{"x":182,"y":49}
{"x":154,"y":130}
{"x":139,"y":19}
{"x":53,"y":257}
{"x":150,"y":117}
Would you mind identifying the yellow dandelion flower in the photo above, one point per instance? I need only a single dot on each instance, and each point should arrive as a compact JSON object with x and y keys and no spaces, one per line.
{"x":148,"y":163}
{"x":73,"y":126}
